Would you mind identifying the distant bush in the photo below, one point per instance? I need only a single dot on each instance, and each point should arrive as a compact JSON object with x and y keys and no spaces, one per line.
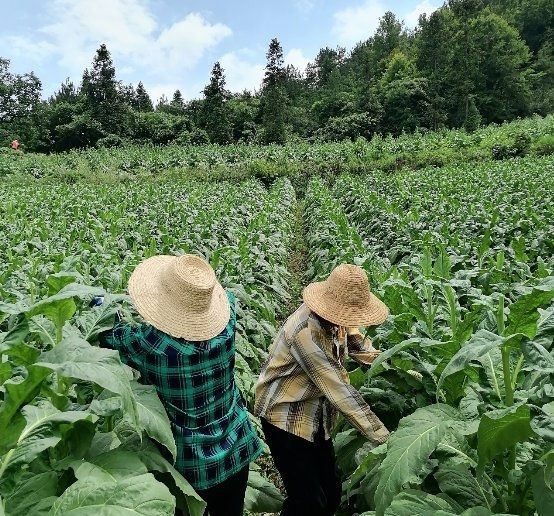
{"x":518,"y":146}
{"x":199,"y":137}
{"x":544,"y":145}
{"x":112,"y":140}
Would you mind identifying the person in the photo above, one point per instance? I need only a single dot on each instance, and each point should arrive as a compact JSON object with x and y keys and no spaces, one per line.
{"x":304,"y":383}
{"x":15,"y":145}
{"x":186,"y":350}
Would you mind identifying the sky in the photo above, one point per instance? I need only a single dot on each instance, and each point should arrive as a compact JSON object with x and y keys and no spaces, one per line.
{"x":173,"y":44}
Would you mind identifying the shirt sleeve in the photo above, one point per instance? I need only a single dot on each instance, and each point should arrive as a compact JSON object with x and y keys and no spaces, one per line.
{"x":359,"y":349}
{"x":325,"y":371}
{"x":123,"y":338}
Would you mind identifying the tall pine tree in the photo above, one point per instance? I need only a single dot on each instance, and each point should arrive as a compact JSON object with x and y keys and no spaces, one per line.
{"x":143,"y":102}
{"x":215,"y":113}
{"x":102,"y":92}
{"x":274,"y":103}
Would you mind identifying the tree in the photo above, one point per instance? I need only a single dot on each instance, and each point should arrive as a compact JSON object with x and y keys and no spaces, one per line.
{"x":143,"y":102}
{"x":433,"y":51}
{"x":405,"y":97}
{"x":215,"y":112}
{"x":243,"y":108}
{"x":66,"y":93}
{"x":500,"y":79}
{"x":177,"y":103}
{"x":274,"y":99}
{"x":326,"y":62}
{"x":19,"y":94}
{"x":542,"y":80}
{"x":102,"y":92}
{"x":128,"y":94}
{"x":19,"y":105}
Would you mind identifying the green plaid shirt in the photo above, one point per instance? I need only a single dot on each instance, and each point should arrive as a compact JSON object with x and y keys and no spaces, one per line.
{"x":214,"y":436}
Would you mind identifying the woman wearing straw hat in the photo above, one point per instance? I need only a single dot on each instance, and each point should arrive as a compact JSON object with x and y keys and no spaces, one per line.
{"x":303,"y":384}
{"x":186,"y":350}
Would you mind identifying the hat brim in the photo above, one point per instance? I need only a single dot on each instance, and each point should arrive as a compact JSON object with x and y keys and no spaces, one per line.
{"x":166,"y":313}
{"x":315,"y":296}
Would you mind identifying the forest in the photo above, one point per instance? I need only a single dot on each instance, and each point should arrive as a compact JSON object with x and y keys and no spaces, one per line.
{"x":470,"y":63}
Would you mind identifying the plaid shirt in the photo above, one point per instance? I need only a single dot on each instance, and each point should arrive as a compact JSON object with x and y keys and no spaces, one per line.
{"x":214,"y":436}
{"x":303,"y":383}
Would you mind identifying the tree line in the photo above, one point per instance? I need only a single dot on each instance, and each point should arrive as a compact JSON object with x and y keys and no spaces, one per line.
{"x":469,"y":63}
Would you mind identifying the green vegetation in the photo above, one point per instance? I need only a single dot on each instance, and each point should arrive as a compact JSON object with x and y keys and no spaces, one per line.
{"x":469,"y":63}
{"x":530,"y":136}
{"x":72,"y":415}
{"x":462,"y":254}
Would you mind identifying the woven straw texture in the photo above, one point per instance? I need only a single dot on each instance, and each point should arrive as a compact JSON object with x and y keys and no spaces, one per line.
{"x":345,"y":299}
{"x":180,"y":296}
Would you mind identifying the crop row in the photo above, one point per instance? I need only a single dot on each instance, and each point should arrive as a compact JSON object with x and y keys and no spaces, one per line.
{"x":464,"y":379}
{"x":72,"y":415}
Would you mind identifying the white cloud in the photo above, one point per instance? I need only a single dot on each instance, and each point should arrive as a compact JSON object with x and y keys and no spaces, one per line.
{"x":240,"y":73}
{"x":305,"y":6}
{"x":357,"y":23}
{"x":296,"y":58}
{"x":424,"y":7}
{"x":130,"y":31}
{"x":23,"y":47}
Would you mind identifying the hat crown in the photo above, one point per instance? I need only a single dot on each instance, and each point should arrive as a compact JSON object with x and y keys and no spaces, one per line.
{"x":192,"y":280}
{"x":348,"y":284}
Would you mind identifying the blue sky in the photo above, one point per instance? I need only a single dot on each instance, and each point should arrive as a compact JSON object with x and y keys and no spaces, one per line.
{"x":170,"y":44}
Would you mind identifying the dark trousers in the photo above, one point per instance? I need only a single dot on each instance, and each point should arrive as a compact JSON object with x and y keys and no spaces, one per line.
{"x":309,"y":472}
{"x":227,"y":498}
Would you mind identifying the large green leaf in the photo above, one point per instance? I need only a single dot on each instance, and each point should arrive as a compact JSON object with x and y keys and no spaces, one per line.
{"x":153,"y":417}
{"x":110,"y":467}
{"x":456,"y":481}
{"x":96,"y":320}
{"x":41,"y":432}
{"x":187,"y":498}
{"x":136,"y":495}
{"x":17,"y":392}
{"x":261,"y":495}
{"x":524,"y":315}
{"x":44,"y":328}
{"x":69,"y":291}
{"x":501,"y":429}
{"x":59,"y":280}
{"x":58,"y":311}
{"x":477,"y":347}
{"x":15,"y":336}
{"x":542,"y":482}
{"x":408,"y":449}
{"x":13,"y":345}
{"x":76,"y":358}
{"x":29,"y":491}
{"x":385,"y":355}
{"x":346,"y":444}
{"x":416,"y":503}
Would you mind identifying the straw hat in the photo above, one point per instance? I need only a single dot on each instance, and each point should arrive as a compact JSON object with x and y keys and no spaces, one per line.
{"x":181,"y":296}
{"x":345,"y":299}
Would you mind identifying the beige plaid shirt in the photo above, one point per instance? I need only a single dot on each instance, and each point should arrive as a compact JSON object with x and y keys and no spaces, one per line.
{"x":304,"y":383}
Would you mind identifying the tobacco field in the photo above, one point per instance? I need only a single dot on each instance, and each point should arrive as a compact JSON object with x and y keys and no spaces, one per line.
{"x":463,"y":254}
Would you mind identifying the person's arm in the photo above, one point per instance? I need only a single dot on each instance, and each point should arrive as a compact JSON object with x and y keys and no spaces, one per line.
{"x":359,"y":349}
{"x":325,"y":371}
